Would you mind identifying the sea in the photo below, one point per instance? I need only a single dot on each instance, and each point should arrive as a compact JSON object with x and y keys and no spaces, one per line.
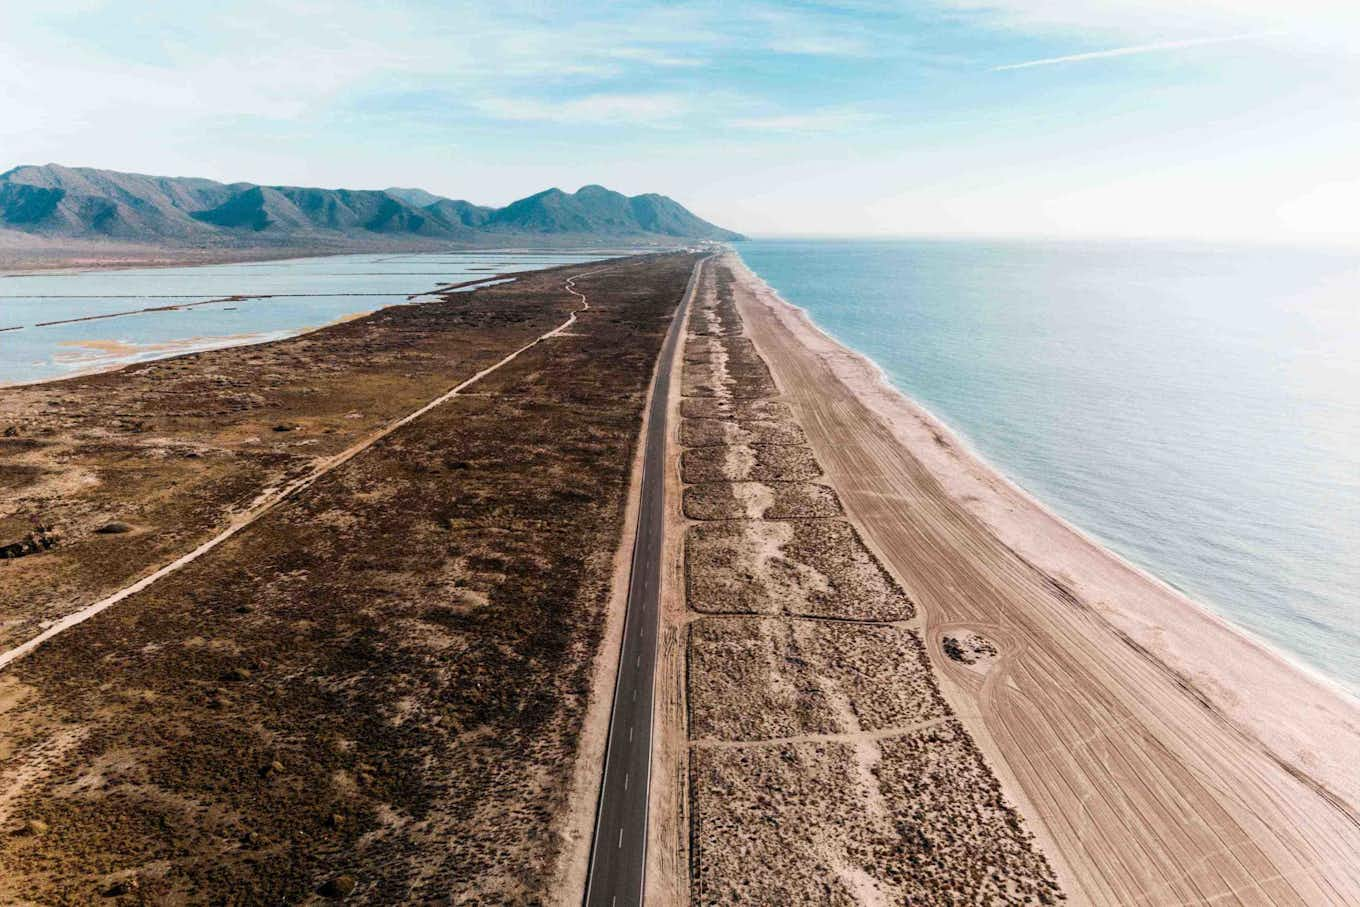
{"x":1196,"y":408}
{"x":58,"y":323}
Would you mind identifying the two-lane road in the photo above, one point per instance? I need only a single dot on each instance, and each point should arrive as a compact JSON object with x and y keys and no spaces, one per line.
{"x":619,"y":852}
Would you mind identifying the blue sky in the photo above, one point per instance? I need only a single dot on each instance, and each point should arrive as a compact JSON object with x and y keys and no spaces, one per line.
{"x":1226,"y":119}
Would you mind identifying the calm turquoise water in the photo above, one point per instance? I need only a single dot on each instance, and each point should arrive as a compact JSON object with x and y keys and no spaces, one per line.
{"x":189,"y":309}
{"x":1197,"y":409}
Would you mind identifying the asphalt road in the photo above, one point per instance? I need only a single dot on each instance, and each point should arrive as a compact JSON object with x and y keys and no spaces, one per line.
{"x":618,"y":855}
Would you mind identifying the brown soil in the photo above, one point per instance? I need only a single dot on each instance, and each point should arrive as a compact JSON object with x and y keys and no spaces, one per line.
{"x":385,"y":676}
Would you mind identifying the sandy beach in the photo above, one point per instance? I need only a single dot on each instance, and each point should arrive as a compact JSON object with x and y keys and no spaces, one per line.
{"x":1160,"y":754}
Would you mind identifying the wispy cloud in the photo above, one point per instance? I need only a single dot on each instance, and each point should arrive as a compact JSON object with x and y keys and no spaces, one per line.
{"x":1149,"y":20}
{"x":1132,"y":50}
{"x":654,"y":57}
{"x":595,"y":109}
{"x":816,"y":121}
{"x":819,"y":46}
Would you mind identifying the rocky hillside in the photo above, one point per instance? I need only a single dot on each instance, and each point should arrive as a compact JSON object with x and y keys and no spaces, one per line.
{"x":59,"y":202}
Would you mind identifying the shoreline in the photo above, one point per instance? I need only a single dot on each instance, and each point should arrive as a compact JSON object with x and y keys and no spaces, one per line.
{"x":191,"y":345}
{"x":1160,"y":751}
{"x":76,"y":265}
{"x":172,"y":350}
{"x":21,"y":266}
{"x":959,"y":440}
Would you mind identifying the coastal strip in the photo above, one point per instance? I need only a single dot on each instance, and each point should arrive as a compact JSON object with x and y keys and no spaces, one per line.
{"x":1161,"y":755}
{"x":814,"y":757}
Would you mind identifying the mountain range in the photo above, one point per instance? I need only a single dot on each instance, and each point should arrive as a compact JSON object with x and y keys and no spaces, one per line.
{"x":79,"y":203}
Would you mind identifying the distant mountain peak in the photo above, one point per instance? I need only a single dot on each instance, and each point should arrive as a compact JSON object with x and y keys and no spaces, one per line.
{"x":81,"y":202}
{"x":417,"y":198}
{"x":597,"y":210}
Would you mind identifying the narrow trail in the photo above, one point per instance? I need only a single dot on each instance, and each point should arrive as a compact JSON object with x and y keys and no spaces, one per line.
{"x":271,"y":499}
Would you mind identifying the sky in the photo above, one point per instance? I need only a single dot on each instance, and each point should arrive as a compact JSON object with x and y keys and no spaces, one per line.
{"x":1208,"y":119}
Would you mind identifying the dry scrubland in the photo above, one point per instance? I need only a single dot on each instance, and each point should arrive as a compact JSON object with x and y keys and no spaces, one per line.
{"x":758,"y":501}
{"x":378,"y":687}
{"x":808,"y":568}
{"x":761,"y":678}
{"x":173,"y":448}
{"x":749,"y":463}
{"x":824,"y":765}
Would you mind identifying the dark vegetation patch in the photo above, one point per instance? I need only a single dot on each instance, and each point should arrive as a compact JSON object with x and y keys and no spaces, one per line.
{"x":183,"y":443}
{"x":968,"y":648}
{"x":39,"y":539}
{"x":749,"y":463}
{"x":379,"y":686}
{"x":756,"y":501}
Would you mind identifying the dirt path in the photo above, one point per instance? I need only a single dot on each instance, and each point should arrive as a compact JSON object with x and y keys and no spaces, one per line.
{"x":272,"y":498}
{"x":1147,"y":791}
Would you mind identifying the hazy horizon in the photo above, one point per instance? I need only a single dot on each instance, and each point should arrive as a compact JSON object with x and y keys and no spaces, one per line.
{"x":1044,"y":118}
{"x":1340,"y":243}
